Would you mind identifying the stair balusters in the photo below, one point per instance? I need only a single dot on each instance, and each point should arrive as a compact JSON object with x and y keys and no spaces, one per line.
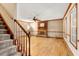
{"x":22,"y":37}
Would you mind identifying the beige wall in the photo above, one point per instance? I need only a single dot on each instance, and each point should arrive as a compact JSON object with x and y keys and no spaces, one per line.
{"x":56,"y":25}
{"x":11,"y":8}
{"x":24,"y":24}
{"x":32,"y":25}
{"x":7,"y":18}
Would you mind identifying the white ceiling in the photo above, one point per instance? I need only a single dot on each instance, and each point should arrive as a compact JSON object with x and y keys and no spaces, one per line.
{"x":44,"y":11}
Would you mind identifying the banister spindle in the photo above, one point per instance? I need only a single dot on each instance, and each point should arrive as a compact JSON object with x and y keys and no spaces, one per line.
{"x":28,"y":45}
{"x":20,"y":37}
{"x":23,"y":42}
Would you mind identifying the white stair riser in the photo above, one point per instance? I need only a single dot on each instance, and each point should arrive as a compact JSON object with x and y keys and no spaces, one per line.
{"x":1,"y":22}
{"x":2,"y":26}
{"x":8,"y":52}
{"x":3,"y":45}
{"x":17,"y":54}
{"x":13,"y":51}
{"x":4,"y":37}
{"x":2,"y":32}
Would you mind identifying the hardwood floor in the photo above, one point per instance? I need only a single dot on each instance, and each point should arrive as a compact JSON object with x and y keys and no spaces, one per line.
{"x":41,"y":46}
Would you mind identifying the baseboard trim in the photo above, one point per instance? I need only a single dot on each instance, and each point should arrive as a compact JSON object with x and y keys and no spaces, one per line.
{"x":56,"y":37}
{"x":68,"y":47}
{"x":48,"y":37}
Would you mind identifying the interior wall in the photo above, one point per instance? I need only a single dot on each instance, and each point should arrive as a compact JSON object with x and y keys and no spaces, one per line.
{"x":7,"y":18}
{"x":25,"y":25}
{"x":18,"y":29}
{"x":28,"y":26}
{"x":11,"y":8}
{"x":34,"y":28}
{"x":55,"y":28}
{"x":67,"y":31}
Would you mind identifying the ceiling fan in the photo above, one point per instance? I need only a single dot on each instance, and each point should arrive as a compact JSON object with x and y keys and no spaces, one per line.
{"x":35,"y":19}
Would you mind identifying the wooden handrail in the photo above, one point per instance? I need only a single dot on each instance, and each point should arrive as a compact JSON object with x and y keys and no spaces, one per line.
{"x":22,"y":28}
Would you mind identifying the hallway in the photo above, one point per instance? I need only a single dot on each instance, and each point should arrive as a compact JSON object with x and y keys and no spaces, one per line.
{"x":41,"y":46}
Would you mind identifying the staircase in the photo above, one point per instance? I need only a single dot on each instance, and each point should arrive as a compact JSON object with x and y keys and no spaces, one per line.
{"x":6,"y":43}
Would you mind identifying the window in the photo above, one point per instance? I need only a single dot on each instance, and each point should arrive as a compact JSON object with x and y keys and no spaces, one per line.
{"x":73,"y":27}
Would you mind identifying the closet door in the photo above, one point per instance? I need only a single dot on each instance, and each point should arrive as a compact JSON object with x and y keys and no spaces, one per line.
{"x":73,"y":27}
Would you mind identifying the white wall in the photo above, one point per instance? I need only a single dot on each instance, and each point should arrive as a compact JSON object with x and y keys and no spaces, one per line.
{"x":18,"y":29}
{"x":55,"y":25}
{"x":28,"y":26}
{"x":55,"y":28}
{"x":25,"y":25}
{"x":34,"y":28}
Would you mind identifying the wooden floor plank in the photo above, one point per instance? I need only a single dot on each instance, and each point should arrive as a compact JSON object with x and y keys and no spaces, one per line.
{"x":41,"y":46}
